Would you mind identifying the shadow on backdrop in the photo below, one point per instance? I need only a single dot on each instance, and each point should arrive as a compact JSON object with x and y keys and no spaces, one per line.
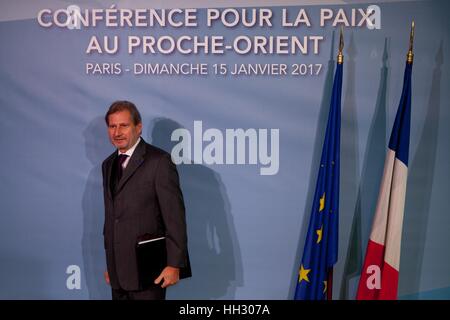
{"x":314,"y":169}
{"x":97,"y":148}
{"x":350,"y":164}
{"x":367,"y":194}
{"x":418,"y":192}
{"x":213,"y":246}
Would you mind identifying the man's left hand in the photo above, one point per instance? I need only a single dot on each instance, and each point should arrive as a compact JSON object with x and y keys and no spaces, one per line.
{"x":170,"y":275}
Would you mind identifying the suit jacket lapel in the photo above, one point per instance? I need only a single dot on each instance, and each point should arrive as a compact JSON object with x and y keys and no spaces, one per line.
{"x":109,"y":174}
{"x":135,"y":161}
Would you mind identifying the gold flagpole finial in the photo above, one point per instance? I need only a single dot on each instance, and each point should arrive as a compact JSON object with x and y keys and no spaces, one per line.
{"x":410,"y":55}
{"x":340,"y":56}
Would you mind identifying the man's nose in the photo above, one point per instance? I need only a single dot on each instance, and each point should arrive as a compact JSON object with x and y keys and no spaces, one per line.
{"x":117,"y":131}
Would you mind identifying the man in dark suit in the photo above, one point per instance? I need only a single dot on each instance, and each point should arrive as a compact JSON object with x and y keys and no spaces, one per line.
{"x":142,"y":197}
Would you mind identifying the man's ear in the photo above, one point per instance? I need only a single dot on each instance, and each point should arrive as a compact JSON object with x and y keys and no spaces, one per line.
{"x":139,"y":126}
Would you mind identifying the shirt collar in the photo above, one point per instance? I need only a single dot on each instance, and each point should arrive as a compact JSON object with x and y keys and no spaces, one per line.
{"x":130,"y":151}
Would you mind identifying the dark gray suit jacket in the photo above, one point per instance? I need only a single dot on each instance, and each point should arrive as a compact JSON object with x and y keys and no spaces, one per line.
{"x":147,"y":200}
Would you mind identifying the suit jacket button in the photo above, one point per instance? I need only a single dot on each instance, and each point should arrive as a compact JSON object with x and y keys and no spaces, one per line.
{"x":117,"y":220}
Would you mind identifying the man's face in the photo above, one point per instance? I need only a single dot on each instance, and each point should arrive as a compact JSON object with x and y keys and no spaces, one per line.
{"x":123,"y":133}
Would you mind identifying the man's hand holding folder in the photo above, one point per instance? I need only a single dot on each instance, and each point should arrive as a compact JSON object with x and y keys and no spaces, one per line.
{"x":170,"y":275}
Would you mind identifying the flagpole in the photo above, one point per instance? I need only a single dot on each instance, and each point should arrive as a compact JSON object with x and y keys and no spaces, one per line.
{"x":340,"y":56}
{"x":410,"y":55}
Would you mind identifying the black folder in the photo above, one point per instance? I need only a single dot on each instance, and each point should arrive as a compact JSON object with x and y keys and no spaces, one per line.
{"x":151,"y":259}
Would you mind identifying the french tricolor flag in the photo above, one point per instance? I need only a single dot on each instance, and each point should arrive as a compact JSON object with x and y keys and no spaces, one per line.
{"x":380,"y":273}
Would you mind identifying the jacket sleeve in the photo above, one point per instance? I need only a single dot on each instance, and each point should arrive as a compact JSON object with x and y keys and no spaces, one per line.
{"x":171,"y":203}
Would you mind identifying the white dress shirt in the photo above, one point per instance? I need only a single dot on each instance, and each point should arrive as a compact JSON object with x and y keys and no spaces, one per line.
{"x":129,"y":153}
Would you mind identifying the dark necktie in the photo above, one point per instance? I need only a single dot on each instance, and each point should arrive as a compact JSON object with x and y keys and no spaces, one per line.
{"x":121,"y":159}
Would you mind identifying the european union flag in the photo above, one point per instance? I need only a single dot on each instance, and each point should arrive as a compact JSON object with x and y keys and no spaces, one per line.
{"x":321,"y":245}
